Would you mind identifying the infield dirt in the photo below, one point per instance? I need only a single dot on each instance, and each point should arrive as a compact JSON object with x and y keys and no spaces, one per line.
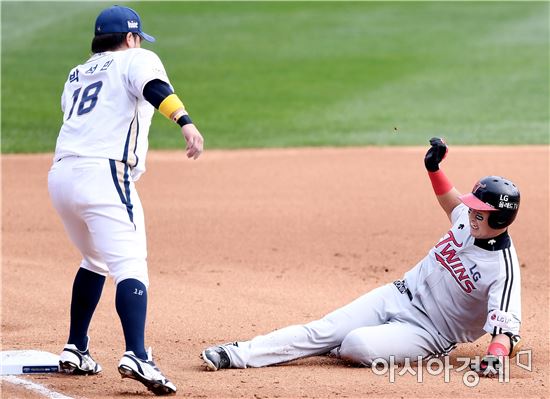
{"x":244,"y":242}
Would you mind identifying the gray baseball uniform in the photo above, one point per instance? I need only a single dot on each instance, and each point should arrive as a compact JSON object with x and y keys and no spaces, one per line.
{"x":462,"y":289}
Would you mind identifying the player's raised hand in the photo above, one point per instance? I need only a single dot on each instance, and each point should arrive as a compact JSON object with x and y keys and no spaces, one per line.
{"x":194,"y":140}
{"x":436,"y":154}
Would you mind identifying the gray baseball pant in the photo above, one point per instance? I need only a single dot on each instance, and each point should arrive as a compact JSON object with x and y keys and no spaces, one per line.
{"x":377,"y":325}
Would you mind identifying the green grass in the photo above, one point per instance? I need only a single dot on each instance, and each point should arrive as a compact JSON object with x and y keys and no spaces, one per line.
{"x":278,"y":74}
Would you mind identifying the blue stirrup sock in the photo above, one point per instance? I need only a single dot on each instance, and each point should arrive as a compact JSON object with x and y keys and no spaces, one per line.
{"x":131,"y":306}
{"x":87,"y":288}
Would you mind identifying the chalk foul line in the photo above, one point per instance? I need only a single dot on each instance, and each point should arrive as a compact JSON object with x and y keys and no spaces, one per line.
{"x":32,"y":386}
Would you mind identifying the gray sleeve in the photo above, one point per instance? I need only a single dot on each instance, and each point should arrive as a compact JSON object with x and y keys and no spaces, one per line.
{"x":457,"y":212}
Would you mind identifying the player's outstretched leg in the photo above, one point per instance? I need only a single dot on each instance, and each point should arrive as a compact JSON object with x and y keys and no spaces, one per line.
{"x":216,"y":358}
{"x":312,"y":339}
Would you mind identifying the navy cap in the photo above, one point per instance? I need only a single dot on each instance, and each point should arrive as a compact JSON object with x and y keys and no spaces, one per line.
{"x":120,"y":19}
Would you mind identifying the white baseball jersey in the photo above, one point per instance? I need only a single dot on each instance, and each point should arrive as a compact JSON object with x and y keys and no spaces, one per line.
{"x":468,"y":286}
{"x":105,"y":114}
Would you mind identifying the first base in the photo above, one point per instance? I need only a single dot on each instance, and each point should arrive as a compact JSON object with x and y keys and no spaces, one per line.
{"x":28,"y":362}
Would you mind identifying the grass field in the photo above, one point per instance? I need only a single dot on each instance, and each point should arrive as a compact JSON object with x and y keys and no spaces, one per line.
{"x":277,"y":74}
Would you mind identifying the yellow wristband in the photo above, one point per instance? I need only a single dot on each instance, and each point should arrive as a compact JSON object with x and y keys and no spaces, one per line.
{"x":171,"y":107}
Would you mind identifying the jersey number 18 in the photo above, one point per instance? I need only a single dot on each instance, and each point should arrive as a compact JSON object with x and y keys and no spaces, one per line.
{"x":88,"y":100}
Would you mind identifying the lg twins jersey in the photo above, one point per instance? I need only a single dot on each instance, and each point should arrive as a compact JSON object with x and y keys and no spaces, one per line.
{"x":105,"y":114}
{"x":468,"y":286}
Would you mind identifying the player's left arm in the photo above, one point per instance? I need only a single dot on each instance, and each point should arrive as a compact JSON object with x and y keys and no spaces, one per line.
{"x":503,"y":318}
{"x":161,"y":96}
{"x":501,"y":346}
{"x":507,"y":344}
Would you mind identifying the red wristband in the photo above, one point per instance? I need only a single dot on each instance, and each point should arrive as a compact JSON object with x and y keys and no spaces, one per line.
{"x":440,"y":182}
{"x":497,"y":349}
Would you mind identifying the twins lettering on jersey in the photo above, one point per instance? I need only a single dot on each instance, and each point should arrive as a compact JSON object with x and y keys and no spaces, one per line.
{"x":446,"y":255}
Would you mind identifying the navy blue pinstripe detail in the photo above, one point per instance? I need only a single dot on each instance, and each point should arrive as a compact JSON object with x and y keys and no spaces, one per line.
{"x":137,"y":137}
{"x":112,"y":163}
{"x":129,"y":206}
{"x":123,"y":199}
{"x":127,"y":143}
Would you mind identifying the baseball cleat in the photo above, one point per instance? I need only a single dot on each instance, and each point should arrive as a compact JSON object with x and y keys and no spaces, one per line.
{"x":146,"y":372}
{"x":215,"y":358}
{"x":74,"y":361}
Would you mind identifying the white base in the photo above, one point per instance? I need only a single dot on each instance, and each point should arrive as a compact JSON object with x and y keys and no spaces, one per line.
{"x":28,"y":362}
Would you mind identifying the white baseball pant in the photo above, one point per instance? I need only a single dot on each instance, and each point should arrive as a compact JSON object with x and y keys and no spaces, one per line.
{"x":102,"y":214}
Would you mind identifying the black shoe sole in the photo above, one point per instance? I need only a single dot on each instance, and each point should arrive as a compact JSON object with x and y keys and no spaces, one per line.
{"x":153,"y":386}
{"x":71,"y":368}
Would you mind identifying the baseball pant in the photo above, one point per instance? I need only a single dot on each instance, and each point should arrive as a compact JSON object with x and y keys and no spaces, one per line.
{"x":102,"y":214}
{"x":377,"y":325}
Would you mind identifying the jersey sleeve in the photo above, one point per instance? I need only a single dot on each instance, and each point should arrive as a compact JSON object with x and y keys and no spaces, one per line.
{"x":504,"y":305}
{"x":64,"y":99}
{"x":144,"y":67}
{"x":457,"y":212}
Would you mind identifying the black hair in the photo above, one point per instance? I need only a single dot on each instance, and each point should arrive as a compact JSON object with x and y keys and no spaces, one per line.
{"x":108,"y":42}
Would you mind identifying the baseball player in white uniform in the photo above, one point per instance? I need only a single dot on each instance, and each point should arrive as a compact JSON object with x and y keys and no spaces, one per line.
{"x":467,"y":285}
{"x":108,"y":102}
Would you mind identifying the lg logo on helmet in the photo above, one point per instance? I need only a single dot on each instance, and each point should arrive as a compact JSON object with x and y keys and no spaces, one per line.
{"x":503,"y":202}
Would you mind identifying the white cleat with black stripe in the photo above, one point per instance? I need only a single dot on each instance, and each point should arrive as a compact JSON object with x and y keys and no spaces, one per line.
{"x":146,"y":372}
{"x":77,"y":362}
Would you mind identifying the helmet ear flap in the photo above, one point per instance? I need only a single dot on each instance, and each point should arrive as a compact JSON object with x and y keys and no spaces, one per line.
{"x":501,"y":219}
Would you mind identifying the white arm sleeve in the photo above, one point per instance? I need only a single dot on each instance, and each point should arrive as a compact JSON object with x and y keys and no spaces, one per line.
{"x":504,"y":305}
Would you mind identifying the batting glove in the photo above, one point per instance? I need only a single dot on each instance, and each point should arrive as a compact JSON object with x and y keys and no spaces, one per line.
{"x":436,"y":154}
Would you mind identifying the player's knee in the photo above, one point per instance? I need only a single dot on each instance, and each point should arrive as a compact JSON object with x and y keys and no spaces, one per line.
{"x":139,"y":274}
{"x":325,"y":331}
{"x":356,"y":348}
{"x":96,"y":268}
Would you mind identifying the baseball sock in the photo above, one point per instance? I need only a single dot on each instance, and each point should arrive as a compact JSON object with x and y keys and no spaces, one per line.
{"x":131,"y":306}
{"x":87,"y":288}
